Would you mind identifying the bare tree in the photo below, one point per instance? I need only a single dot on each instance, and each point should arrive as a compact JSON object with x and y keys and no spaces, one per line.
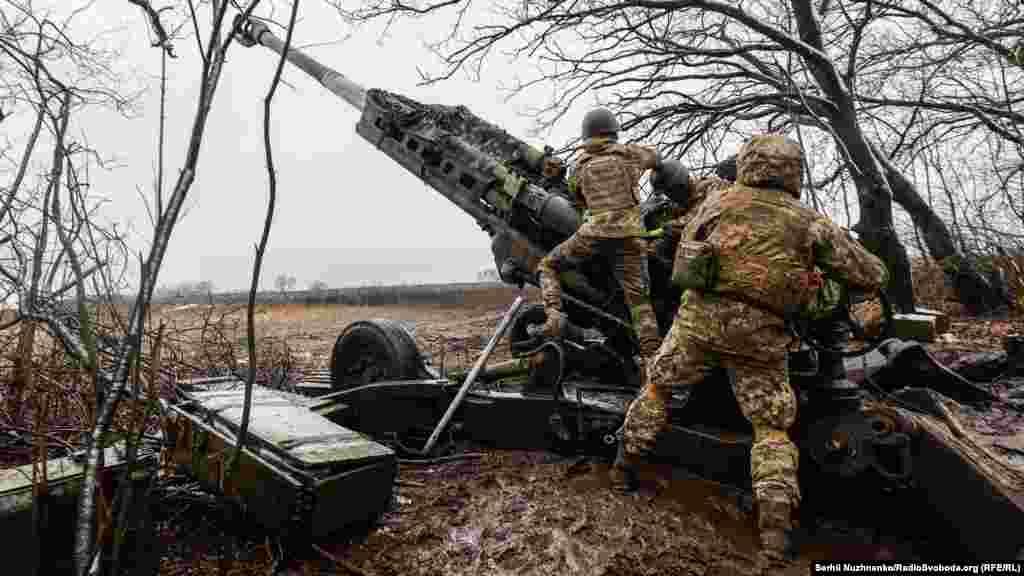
{"x":111,"y":384}
{"x":862,"y":83}
{"x":51,"y":242}
{"x":205,"y":288}
{"x":57,"y":254}
{"x":284,"y":283}
{"x":261,"y":247}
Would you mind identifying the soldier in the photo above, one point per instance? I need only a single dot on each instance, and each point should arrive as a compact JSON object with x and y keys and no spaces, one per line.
{"x":683,"y":209}
{"x":607,"y":184}
{"x":764,"y":245}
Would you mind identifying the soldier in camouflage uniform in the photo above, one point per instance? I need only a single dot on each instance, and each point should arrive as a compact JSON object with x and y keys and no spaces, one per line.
{"x":675,"y":219}
{"x":607,"y":184}
{"x":768,"y":248}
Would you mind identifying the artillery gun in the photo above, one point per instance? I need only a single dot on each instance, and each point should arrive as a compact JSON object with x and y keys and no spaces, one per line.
{"x":865,"y":448}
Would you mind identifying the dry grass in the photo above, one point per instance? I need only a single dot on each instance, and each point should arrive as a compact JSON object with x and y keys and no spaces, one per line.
{"x":299,"y":337}
{"x":932,"y":291}
{"x":309,"y":330}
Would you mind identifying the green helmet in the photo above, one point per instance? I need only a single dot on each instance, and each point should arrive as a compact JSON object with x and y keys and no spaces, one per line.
{"x":600,"y":122}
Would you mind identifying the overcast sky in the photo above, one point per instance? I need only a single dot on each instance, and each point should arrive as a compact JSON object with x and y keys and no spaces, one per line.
{"x":346,"y":214}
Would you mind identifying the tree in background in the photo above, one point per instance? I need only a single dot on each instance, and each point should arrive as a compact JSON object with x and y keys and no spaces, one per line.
{"x":284,"y":283}
{"x":876,"y":91}
{"x":51,"y":240}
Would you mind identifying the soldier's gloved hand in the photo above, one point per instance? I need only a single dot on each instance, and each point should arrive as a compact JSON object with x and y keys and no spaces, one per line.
{"x":670,"y":230}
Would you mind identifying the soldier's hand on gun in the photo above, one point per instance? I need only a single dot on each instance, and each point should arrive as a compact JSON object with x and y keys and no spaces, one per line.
{"x":671,"y":230}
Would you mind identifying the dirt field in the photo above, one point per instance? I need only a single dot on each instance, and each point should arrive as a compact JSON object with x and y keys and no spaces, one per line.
{"x":452,"y":334}
{"x":497,"y":512}
{"x":525,"y":513}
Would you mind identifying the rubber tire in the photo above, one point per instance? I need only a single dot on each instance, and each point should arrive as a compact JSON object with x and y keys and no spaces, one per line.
{"x":395,"y":354}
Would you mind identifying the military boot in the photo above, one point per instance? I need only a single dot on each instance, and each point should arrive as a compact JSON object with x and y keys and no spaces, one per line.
{"x":775,"y":525}
{"x":623,"y":473}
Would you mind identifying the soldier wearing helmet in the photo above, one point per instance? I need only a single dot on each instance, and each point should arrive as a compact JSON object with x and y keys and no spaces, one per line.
{"x":766,"y":249}
{"x":607,"y":183}
{"x":684,"y":193}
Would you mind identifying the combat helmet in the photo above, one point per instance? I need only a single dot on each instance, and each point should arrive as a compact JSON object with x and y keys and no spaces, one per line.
{"x":600,"y":122}
{"x":771,"y":161}
{"x":672,"y":179}
{"x":726,"y":169}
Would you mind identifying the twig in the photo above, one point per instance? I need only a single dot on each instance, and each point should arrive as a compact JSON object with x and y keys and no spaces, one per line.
{"x":243,"y":429}
{"x":163,"y":39}
{"x":160,"y":136}
{"x":442,"y":459}
{"x":83,"y":549}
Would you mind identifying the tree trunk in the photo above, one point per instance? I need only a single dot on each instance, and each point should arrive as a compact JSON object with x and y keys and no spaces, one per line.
{"x":978,"y":294}
{"x":874,"y":195}
{"x":877,"y":234}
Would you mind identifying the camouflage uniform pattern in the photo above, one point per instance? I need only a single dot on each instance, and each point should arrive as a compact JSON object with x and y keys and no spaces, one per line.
{"x":607,"y":184}
{"x":738,"y":326}
{"x":680,"y":215}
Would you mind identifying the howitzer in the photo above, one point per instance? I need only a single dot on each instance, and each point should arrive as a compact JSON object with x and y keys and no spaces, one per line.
{"x":492,"y":176}
{"x":497,"y":179}
{"x":877,"y":443}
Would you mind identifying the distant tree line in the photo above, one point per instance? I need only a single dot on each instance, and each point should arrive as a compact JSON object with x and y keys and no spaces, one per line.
{"x":319,"y":293}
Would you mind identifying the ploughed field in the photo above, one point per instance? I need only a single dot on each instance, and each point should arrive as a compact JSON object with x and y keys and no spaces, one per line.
{"x":500,"y":512}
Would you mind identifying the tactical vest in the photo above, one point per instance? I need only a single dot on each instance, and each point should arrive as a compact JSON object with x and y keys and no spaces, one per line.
{"x":607,"y":181}
{"x":758,"y":242}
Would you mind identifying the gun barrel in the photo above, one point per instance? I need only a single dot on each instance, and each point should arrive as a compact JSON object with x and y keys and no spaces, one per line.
{"x":257,"y":33}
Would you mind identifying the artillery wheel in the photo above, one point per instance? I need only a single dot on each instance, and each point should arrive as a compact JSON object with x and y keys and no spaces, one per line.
{"x":370,"y":351}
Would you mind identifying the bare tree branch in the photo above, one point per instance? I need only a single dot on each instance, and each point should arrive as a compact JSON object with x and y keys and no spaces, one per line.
{"x":163,"y":40}
{"x":250,"y":316}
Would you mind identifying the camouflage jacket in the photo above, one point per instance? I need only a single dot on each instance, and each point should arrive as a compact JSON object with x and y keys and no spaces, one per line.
{"x":773,"y":253}
{"x":607,"y":184}
{"x":769,"y":245}
{"x":678,"y":215}
{"x":699,"y":190}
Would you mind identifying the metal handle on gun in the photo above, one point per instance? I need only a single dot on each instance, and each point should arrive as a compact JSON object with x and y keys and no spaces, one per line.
{"x":502,"y":328}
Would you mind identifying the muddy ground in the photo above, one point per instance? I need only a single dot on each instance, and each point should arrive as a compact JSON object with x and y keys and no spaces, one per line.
{"x":532,"y":513}
{"x":522,"y":513}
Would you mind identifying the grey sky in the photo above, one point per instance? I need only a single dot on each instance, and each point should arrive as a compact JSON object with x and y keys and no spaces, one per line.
{"x":346,"y":214}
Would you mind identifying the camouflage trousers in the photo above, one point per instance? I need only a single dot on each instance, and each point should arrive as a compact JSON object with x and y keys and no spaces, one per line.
{"x":764,"y":395}
{"x":628,"y":259}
